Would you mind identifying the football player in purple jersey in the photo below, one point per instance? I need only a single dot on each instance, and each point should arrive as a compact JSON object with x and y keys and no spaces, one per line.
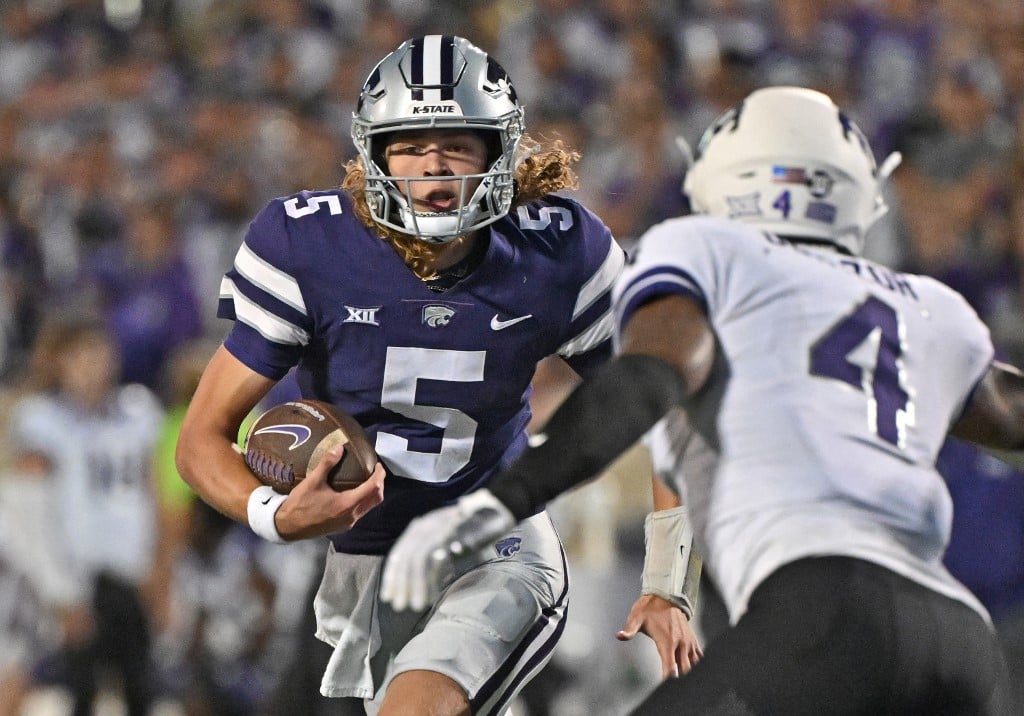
{"x":418,"y":297}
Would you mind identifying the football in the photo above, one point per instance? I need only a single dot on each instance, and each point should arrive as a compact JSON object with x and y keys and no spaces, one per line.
{"x":287,"y":441}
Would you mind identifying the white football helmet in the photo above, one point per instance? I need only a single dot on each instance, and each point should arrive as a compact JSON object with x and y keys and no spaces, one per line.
{"x":787,"y":160}
{"x":438,"y":81}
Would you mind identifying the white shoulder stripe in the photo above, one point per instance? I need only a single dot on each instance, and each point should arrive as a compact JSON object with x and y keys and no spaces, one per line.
{"x":602,"y":280}
{"x":598,"y":331}
{"x":272,"y":280}
{"x":271,"y":327}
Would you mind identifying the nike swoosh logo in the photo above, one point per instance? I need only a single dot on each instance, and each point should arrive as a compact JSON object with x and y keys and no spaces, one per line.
{"x":299,"y":433}
{"x":267,"y":501}
{"x":497,"y":325}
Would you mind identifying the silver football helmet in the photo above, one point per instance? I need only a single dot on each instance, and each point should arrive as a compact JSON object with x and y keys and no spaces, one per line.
{"x":787,"y":160}
{"x":438,"y":81}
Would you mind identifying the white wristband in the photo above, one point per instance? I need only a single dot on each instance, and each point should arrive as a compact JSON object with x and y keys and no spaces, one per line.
{"x":264,"y":502}
{"x":671,"y":567}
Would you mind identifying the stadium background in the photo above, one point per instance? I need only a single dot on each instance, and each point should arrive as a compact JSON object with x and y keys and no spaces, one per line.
{"x":139,"y":137}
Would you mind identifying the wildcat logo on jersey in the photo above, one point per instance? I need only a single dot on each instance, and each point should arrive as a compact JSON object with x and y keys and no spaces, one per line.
{"x":437,"y":316}
{"x":508,"y":546}
{"x":362,"y":315}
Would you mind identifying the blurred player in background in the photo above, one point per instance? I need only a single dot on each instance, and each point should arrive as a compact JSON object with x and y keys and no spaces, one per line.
{"x":419,"y":297}
{"x":825,"y":385}
{"x":90,"y":440}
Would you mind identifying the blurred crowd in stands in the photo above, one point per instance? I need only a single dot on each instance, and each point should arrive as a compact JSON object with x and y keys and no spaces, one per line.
{"x":139,"y":137}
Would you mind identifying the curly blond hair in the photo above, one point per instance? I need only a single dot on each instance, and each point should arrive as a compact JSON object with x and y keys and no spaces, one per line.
{"x":542,"y":170}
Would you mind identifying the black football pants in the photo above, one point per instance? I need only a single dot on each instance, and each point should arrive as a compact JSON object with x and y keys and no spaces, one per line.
{"x":842,"y":636}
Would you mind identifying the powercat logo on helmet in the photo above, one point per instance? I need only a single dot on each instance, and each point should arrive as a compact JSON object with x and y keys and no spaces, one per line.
{"x":441,"y":108}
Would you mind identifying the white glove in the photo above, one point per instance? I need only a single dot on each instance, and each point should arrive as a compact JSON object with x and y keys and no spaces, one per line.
{"x":421,"y":562}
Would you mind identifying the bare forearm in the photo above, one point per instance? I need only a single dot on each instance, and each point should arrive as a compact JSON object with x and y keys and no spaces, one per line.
{"x":217,"y":472}
{"x":663,"y":497}
{"x":207,"y":459}
{"x":205,"y":454}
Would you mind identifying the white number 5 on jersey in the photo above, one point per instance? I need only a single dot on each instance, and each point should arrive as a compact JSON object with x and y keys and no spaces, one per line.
{"x":332,"y":202}
{"x":402,"y":369}
{"x":545,"y":215}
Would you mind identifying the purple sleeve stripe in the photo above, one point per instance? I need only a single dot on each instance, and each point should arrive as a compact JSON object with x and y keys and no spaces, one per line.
{"x":657,"y":282}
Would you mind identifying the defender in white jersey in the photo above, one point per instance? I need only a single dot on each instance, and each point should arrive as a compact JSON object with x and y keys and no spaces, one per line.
{"x":821,"y":387}
{"x":419,"y":297}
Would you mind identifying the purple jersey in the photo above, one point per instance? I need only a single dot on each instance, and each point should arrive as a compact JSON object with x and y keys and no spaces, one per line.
{"x":440,"y":381}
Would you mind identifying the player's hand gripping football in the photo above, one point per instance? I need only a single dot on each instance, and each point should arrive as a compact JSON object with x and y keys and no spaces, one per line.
{"x":670,"y":630}
{"x":315,"y":509}
{"x":422,"y":562}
